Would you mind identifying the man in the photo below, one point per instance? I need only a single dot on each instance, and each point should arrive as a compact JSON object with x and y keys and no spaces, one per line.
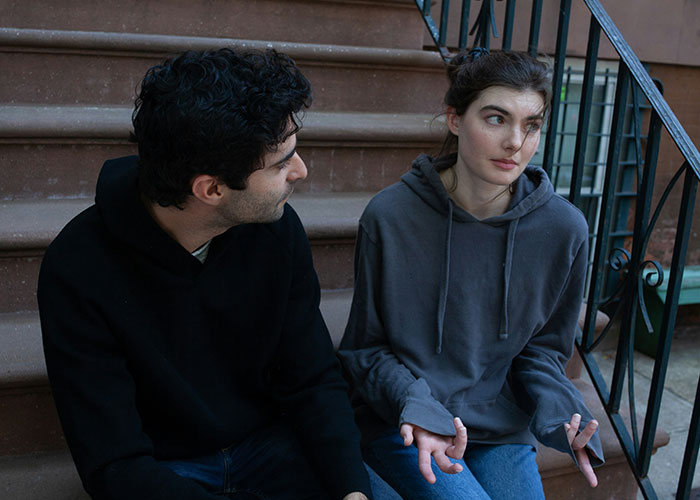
{"x":183,"y":339}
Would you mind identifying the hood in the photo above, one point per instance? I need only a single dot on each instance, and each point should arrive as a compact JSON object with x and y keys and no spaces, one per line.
{"x":530,"y":191}
{"x":118,"y":201}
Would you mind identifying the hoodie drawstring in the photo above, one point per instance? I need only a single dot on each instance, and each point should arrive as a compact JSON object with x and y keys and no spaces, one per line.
{"x":442,"y":302}
{"x":510,"y":243}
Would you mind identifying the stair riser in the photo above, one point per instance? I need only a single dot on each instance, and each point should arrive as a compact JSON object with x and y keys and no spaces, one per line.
{"x":357,"y":168}
{"x":29,"y":423}
{"x":93,"y":79}
{"x":332,"y":258}
{"x":329,"y":22}
{"x":50,"y":476}
{"x":36,"y":171}
{"x":19,"y":282}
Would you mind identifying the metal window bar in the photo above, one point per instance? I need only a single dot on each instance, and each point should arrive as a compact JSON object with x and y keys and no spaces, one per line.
{"x":625,"y":137}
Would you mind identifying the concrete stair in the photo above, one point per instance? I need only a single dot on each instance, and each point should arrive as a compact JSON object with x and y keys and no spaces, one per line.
{"x":372,"y":23}
{"x":106,"y":67}
{"x":70,"y":70}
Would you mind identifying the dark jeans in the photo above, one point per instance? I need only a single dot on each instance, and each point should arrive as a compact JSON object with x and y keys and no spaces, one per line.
{"x":268,"y":465}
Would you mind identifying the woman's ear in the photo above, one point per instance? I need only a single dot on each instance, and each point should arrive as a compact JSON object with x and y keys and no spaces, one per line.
{"x":207,"y":189}
{"x":453,"y":120}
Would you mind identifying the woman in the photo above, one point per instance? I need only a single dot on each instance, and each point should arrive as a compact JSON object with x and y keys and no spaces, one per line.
{"x":469,"y":276}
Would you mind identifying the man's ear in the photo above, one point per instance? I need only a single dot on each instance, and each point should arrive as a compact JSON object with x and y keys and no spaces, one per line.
{"x":453,"y":120}
{"x":207,"y":189}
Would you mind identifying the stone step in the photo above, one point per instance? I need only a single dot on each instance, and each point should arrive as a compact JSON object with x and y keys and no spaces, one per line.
{"x":31,"y":475}
{"x":28,"y":226}
{"x":28,"y":420}
{"x":40,"y":476}
{"x":106,"y":68}
{"x":32,"y":450}
{"x":57,"y":151}
{"x":382,"y":23}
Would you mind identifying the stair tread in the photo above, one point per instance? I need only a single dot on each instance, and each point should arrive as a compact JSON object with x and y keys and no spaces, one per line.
{"x":22,"y":355}
{"x":32,"y":224}
{"x":114,"y":122}
{"x":167,"y":44}
{"x":266,"y":19}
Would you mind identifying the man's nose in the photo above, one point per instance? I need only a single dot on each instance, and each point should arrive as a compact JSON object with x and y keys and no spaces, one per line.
{"x":297,"y":170}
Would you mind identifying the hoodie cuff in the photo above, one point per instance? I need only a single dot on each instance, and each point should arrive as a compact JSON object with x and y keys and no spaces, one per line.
{"x":421,"y":409}
{"x":556,"y":438}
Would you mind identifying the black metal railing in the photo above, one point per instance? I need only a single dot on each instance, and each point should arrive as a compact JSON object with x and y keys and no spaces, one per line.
{"x":620,"y":270}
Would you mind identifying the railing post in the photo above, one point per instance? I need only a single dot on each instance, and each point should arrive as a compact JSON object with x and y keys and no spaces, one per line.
{"x":508,"y":25}
{"x":668,"y":320}
{"x":464,"y":24}
{"x":599,"y":259}
{"x":589,"y":74}
{"x":690,"y":457}
{"x":535,"y":21}
{"x":559,"y":62}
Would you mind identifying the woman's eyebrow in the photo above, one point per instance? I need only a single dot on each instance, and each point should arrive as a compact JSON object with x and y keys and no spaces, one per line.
{"x":493,"y":107}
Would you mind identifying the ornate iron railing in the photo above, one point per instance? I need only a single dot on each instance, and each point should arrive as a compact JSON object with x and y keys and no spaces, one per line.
{"x":620,"y":268}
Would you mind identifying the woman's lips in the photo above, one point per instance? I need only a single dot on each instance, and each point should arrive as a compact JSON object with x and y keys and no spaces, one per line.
{"x":505,"y":164}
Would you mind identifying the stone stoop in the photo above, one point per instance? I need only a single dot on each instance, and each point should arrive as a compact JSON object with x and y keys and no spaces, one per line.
{"x":30,"y":473}
{"x":373,"y":23}
{"x":66,"y":96}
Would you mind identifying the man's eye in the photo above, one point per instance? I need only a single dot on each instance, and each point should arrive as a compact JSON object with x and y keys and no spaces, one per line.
{"x":283,"y":165}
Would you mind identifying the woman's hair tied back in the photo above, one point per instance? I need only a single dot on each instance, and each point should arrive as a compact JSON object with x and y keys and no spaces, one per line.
{"x":477,"y":52}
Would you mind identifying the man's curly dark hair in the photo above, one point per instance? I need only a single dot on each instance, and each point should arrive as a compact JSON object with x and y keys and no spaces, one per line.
{"x":213,"y":112}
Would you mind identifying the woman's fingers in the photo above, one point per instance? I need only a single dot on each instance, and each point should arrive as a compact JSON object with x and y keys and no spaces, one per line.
{"x":406,"y":432}
{"x":572,"y":427}
{"x":584,"y":464}
{"x":424,"y":465}
{"x":445,"y":464}
{"x":585,"y":435}
{"x":460,"y":440}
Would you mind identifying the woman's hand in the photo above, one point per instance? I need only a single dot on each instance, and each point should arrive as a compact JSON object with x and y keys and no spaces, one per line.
{"x":438,"y":446}
{"x":578,"y":441}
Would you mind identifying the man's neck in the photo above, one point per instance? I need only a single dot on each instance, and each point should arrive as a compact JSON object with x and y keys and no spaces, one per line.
{"x":183,"y":225}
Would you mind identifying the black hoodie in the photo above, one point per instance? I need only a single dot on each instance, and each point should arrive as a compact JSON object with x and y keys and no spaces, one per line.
{"x":153,"y":355}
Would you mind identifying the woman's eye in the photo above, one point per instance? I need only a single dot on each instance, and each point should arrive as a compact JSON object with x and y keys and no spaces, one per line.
{"x":533,"y":127}
{"x":494,"y":119}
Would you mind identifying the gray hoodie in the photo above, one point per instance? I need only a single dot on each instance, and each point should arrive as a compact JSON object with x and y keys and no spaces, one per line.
{"x":455,"y":316}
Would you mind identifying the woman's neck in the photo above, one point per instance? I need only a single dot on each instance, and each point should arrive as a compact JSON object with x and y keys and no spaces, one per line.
{"x":478,"y":198}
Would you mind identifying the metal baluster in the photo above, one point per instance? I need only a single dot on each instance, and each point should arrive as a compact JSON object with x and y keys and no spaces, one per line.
{"x":444,"y":18}
{"x":690,"y":457}
{"x":464,"y":24}
{"x":535,"y":21}
{"x":589,"y":74}
{"x":562,"y":34}
{"x":508,"y":25}
{"x":669,"y":316}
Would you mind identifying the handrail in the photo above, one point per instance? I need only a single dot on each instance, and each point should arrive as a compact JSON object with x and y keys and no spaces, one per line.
{"x":677,"y":132}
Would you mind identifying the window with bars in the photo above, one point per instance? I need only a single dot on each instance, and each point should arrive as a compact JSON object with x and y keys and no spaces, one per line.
{"x":596,"y":149}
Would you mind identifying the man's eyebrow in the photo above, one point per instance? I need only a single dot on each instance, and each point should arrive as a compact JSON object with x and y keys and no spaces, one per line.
{"x":505,"y":112}
{"x":287,"y":157}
